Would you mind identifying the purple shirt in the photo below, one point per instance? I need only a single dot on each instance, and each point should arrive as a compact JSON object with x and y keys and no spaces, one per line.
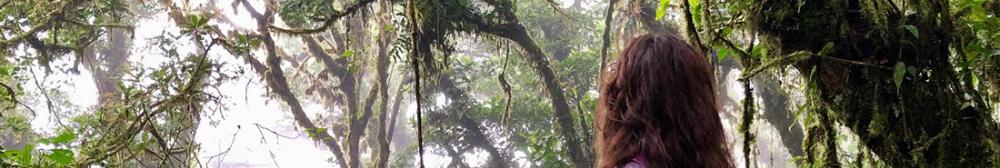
{"x":638,"y":161}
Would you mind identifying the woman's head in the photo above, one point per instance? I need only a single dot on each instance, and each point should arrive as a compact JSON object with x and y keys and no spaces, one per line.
{"x":659,"y":100}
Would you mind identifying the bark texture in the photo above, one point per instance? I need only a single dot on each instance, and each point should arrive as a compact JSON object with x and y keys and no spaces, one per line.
{"x":921,"y":119}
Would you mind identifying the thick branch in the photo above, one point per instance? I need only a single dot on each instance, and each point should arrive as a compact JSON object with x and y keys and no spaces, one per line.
{"x":326,"y":23}
{"x":51,"y":17}
{"x":515,"y":32}
{"x":275,"y":78}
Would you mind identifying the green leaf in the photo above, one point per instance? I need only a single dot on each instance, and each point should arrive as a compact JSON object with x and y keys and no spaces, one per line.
{"x":197,"y":21}
{"x":347,"y":53}
{"x":5,"y":70}
{"x":23,"y":156}
{"x":61,"y":156}
{"x":695,"y":11}
{"x":662,"y":10}
{"x":826,"y":49}
{"x":726,"y":31}
{"x":722,"y":53}
{"x":758,"y":52}
{"x":899,"y":71}
{"x":64,"y":137}
{"x":912,"y":29}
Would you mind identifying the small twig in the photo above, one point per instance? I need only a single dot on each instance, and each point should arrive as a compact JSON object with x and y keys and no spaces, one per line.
{"x":275,"y":132}
{"x":48,"y":101}
{"x":791,"y":58}
{"x":224,"y":153}
{"x":732,"y":46}
{"x":856,"y":62}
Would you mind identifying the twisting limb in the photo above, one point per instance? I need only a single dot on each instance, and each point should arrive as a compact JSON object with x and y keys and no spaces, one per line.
{"x":275,"y":78}
{"x":63,"y":6}
{"x":506,"y":87}
{"x":326,"y":23}
{"x":561,"y":110}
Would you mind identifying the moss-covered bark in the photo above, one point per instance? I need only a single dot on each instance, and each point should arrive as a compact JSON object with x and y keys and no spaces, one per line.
{"x":887,"y":77}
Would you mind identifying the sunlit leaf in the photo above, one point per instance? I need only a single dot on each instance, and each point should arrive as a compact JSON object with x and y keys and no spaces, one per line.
{"x":64,"y":137}
{"x":61,"y":156}
{"x":347,"y":53}
{"x":722,"y":53}
{"x":662,"y":10}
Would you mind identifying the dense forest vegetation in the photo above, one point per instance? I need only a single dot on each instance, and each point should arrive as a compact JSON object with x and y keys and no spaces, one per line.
{"x":483,"y":83}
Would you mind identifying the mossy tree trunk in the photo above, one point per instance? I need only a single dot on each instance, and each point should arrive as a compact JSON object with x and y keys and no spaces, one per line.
{"x":887,"y":76}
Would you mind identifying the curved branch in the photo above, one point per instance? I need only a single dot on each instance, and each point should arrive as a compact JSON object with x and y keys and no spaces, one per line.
{"x":561,"y":111}
{"x":326,"y":23}
{"x":275,"y":78}
{"x":44,"y":24}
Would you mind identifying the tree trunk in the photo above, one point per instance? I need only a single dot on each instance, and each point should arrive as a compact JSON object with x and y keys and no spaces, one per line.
{"x":382,"y":70}
{"x":918,"y":119}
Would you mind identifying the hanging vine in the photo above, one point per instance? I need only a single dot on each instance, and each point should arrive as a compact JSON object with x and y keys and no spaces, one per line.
{"x":416,"y":49}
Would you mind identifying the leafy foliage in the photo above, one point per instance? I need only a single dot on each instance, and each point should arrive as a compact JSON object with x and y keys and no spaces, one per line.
{"x":301,"y":12}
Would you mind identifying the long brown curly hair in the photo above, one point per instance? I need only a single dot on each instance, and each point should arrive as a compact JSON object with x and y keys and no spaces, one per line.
{"x":659,"y":100}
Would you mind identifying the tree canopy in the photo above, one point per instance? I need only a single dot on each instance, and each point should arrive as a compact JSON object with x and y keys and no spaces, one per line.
{"x":483,"y":83}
